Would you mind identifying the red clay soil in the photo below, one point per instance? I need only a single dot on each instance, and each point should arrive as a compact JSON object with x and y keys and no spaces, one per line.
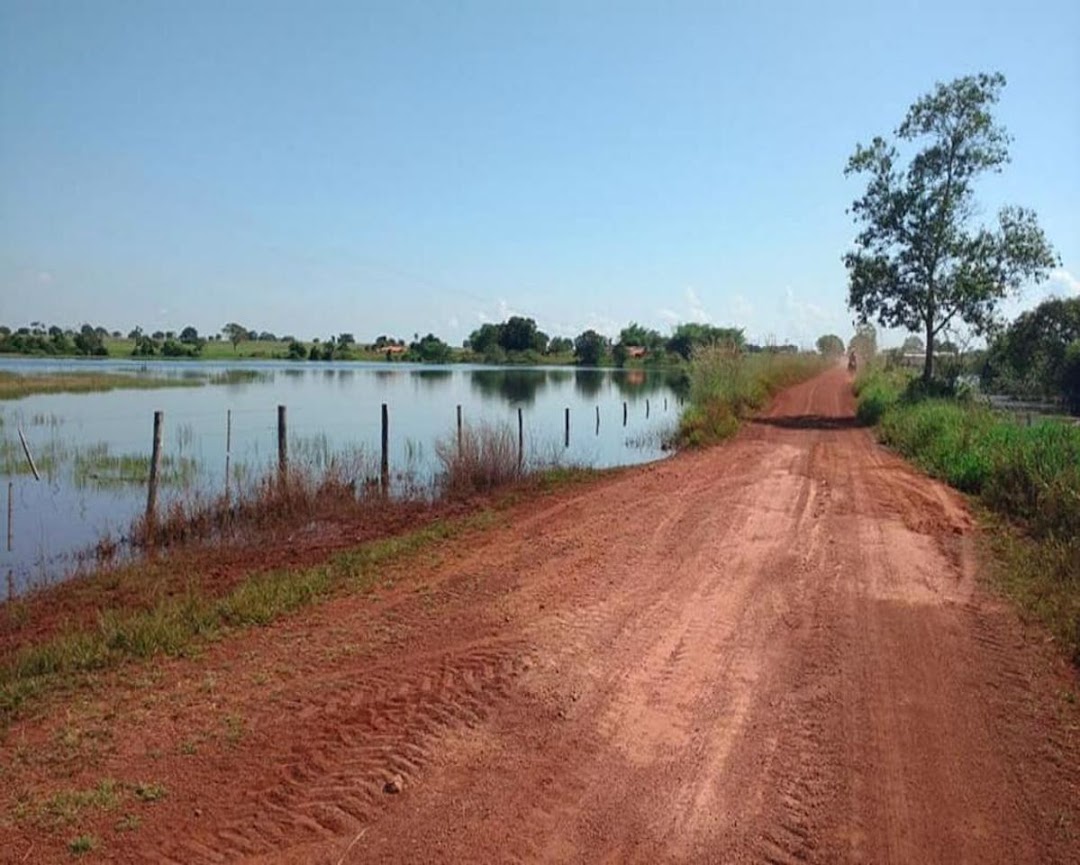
{"x":777,"y":650}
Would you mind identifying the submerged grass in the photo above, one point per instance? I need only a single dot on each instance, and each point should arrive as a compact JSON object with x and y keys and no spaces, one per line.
{"x":14,"y":385}
{"x":1029,"y":475}
{"x":727,"y":385}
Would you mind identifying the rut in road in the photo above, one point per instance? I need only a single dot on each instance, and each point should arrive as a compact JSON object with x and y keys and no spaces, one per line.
{"x":773,"y":651}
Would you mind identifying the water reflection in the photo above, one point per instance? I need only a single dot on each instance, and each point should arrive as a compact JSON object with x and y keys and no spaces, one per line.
{"x":589,"y":382}
{"x":433,"y":379}
{"x":513,"y":385}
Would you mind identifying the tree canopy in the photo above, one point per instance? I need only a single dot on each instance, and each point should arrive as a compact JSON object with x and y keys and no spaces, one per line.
{"x":830,"y":345}
{"x":690,"y":335}
{"x":920,"y":261}
{"x":1039,"y":353}
{"x":589,"y":348}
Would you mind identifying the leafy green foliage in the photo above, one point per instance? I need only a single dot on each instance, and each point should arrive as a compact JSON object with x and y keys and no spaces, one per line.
{"x":692,"y":335}
{"x":918,"y":263}
{"x":1039,"y":353}
{"x":590,"y":348}
{"x":1030,"y":474}
{"x":830,"y":345}
{"x":430,"y":349}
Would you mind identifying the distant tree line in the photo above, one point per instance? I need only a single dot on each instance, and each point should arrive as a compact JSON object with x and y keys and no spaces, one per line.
{"x":37,"y":338}
{"x":517,"y":340}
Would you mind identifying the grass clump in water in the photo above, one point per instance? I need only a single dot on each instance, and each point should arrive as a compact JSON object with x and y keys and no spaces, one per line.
{"x":482,"y":458}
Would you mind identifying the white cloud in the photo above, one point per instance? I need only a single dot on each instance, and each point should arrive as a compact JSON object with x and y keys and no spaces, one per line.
{"x":669,"y":315}
{"x":697,"y":309}
{"x":44,"y":277}
{"x":1061,"y":276}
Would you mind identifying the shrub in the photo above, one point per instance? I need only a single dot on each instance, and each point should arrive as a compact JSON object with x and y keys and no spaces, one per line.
{"x":483,"y":458}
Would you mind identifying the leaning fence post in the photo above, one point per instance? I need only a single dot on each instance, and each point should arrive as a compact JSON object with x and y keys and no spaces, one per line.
{"x":29,"y":457}
{"x":384,"y":464}
{"x":155,"y":468}
{"x":282,"y":444}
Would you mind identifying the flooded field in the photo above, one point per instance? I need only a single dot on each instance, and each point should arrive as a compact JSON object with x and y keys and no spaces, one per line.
{"x":92,"y":450}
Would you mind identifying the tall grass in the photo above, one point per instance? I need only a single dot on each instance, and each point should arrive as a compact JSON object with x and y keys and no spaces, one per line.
{"x":484,"y":457}
{"x":341,"y":485}
{"x":1027,"y":474}
{"x":727,"y":385}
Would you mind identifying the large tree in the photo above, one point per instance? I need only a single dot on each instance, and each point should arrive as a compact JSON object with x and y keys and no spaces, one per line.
{"x":920,"y":261}
{"x":589,"y":348}
{"x":235,"y":333}
{"x":830,"y":345}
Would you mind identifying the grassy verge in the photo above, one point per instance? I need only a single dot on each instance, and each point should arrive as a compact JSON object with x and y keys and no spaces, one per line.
{"x":1028,"y":478}
{"x":175,"y":626}
{"x":15,"y":385}
{"x":727,"y":385}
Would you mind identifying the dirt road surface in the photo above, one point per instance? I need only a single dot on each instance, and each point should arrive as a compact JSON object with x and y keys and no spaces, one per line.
{"x":778,"y":650}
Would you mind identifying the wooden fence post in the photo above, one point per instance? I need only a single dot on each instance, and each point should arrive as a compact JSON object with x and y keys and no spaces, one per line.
{"x":624,"y":414}
{"x":566,"y":435}
{"x":646,"y":408}
{"x":228,"y":448}
{"x":384,"y":463}
{"x":598,"y":420}
{"x":282,"y":444}
{"x":521,"y":440}
{"x":459,"y":428}
{"x":155,"y":469}
{"x":10,"y":515}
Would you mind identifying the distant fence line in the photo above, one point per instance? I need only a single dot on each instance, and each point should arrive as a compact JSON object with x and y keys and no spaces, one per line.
{"x":384,"y":444}
{"x":155,"y":473}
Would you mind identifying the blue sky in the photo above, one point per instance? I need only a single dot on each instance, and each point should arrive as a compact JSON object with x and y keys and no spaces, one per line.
{"x":401,"y":167}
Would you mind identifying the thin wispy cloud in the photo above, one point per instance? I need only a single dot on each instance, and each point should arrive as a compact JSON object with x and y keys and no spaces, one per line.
{"x":1063,"y":277}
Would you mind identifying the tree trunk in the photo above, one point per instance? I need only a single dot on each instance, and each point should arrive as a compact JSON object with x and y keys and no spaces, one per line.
{"x":928,"y":365}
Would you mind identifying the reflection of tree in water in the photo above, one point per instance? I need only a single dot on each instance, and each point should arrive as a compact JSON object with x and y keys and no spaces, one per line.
{"x":431,"y":379}
{"x":513,"y":385}
{"x":589,"y":382}
{"x":637,"y":382}
{"x":678,"y":380}
{"x":388,"y":374}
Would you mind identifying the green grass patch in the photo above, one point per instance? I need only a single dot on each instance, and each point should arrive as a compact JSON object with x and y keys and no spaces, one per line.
{"x":1029,"y":475}
{"x":727,"y":385}
{"x":82,"y":844}
{"x":179,"y":626}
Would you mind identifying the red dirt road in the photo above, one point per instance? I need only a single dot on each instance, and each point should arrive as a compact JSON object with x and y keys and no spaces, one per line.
{"x":773,"y":651}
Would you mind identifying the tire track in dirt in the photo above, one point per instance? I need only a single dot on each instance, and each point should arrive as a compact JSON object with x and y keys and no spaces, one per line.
{"x":355,"y":736}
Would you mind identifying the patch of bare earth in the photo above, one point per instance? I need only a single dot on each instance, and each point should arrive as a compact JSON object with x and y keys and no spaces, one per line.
{"x":772,"y":651}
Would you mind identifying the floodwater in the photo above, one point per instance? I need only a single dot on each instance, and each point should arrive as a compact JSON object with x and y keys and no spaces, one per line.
{"x":93,"y":449}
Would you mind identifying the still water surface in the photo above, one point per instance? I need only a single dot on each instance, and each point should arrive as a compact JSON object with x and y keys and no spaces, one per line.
{"x":93,"y":449}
